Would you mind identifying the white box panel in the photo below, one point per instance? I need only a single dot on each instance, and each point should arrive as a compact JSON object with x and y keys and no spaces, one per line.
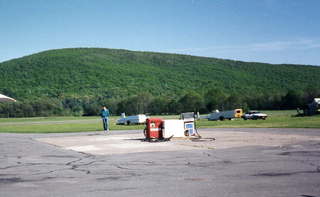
{"x":173,"y":128}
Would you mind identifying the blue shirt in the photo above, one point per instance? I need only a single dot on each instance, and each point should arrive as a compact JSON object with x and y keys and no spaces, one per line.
{"x":104,"y":113}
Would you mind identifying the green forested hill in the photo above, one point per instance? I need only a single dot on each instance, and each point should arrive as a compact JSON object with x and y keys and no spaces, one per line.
{"x":119,"y":73}
{"x":78,"y":81}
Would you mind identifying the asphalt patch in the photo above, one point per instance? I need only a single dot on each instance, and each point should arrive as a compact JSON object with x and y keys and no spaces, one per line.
{"x":10,"y":180}
{"x":59,"y":156}
{"x":276,"y":174}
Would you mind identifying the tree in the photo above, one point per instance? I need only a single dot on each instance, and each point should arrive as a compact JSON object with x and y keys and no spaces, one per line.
{"x":292,"y":100}
{"x":191,"y":102}
{"x":138,"y":104}
{"x":234,"y":102}
{"x":215,"y":99}
{"x":159,"y":105}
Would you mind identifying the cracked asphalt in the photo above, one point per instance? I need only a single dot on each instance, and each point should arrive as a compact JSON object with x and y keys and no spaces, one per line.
{"x":30,"y":167}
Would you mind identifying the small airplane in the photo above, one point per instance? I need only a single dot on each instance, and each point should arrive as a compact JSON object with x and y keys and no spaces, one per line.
{"x":4,"y":98}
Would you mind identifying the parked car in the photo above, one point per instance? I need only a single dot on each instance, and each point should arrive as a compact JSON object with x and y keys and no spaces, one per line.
{"x":254,"y":115}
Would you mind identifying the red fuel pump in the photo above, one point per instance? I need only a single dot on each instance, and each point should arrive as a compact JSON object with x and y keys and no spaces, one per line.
{"x":153,"y":129}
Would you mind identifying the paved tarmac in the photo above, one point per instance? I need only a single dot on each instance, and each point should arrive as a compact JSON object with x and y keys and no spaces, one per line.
{"x":240,"y":162}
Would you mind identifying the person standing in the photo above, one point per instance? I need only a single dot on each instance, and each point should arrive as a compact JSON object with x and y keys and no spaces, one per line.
{"x":105,"y":118}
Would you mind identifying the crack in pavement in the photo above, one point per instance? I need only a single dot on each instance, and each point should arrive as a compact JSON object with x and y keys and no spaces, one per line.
{"x":275,"y":174}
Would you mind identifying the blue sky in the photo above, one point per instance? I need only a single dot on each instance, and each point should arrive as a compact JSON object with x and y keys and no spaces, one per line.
{"x":273,"y":31}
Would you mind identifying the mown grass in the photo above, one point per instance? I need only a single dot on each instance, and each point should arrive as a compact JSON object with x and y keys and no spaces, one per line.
{"x":276,"y":119}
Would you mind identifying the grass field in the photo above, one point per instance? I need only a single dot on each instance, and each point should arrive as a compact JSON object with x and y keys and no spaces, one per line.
{"x":276,"y":119}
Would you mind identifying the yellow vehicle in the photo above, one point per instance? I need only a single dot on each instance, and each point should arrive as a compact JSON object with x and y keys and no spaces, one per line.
{"x":222,"y":115}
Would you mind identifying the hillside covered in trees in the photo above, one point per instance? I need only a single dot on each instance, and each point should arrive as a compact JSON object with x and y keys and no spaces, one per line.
{"x":77,"y":81}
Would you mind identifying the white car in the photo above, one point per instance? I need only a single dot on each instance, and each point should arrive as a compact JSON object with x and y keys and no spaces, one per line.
{"x":136,"y":119}
{"x":254,"y":115}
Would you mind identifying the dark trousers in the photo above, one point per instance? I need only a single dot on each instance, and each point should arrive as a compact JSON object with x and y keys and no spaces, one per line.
{"x":105,"y":123}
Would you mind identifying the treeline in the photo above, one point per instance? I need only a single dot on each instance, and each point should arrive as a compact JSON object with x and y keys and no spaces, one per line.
{"x":109,"y":73}
{"x":148,"y":104}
